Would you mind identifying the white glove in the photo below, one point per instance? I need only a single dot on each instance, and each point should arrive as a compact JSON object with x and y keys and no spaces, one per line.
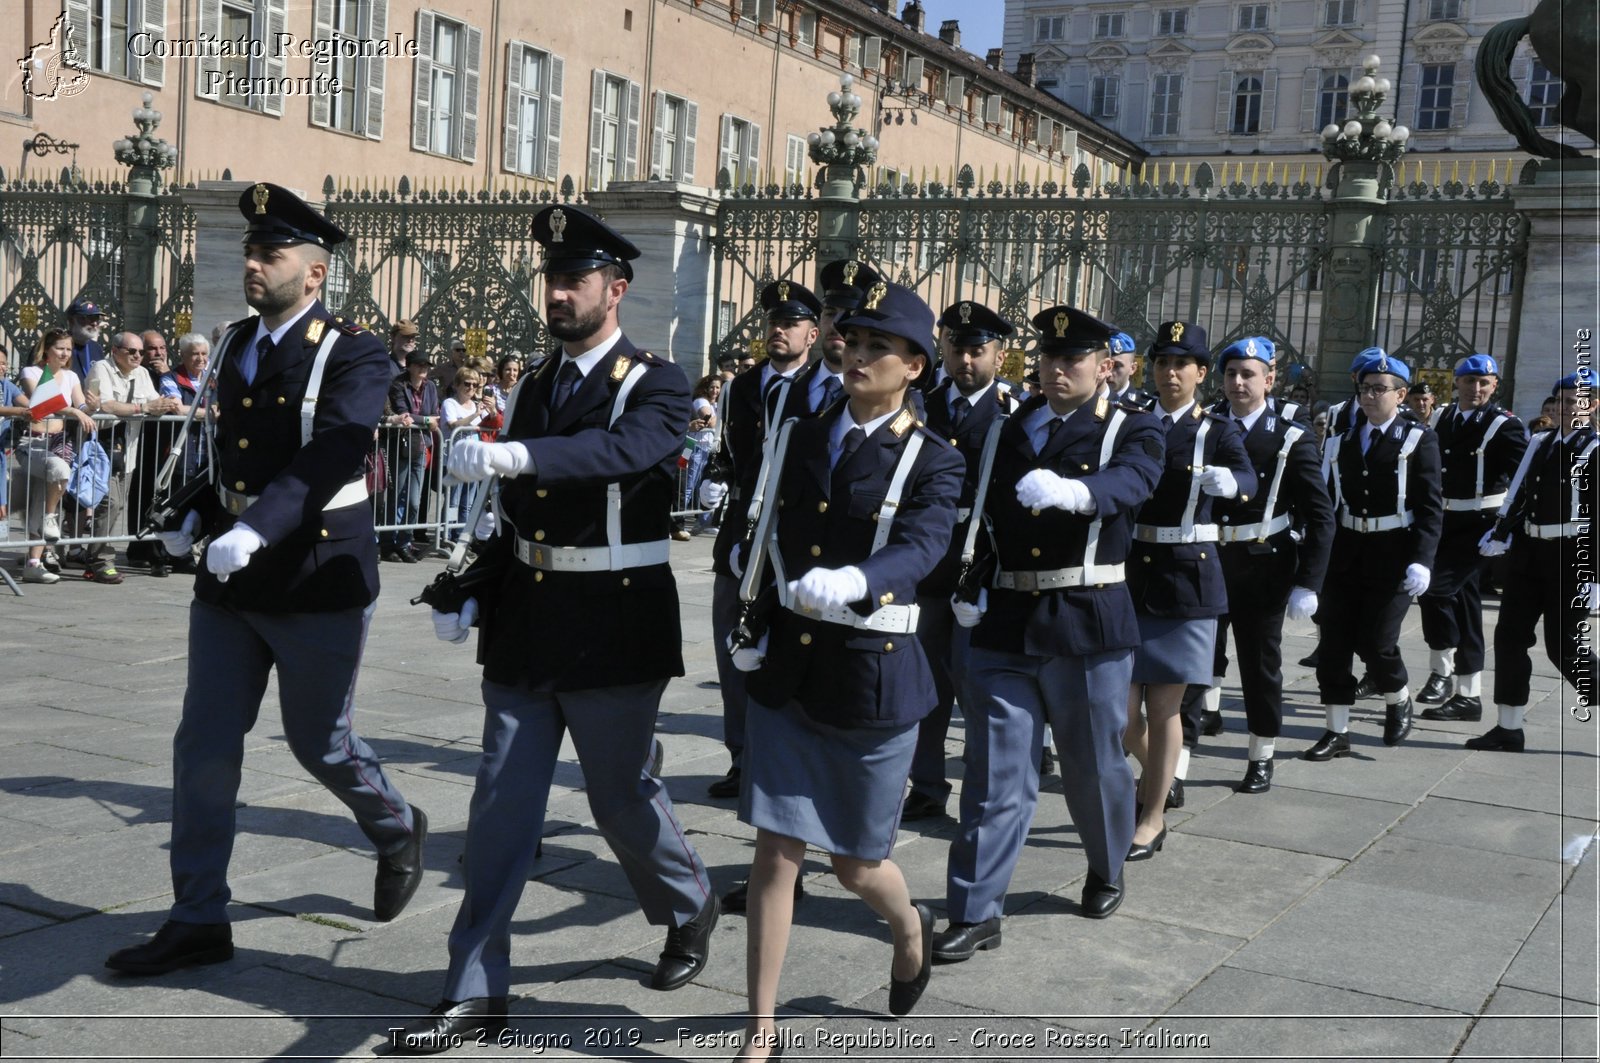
{"x":750,"y":658}
{"x":1043,"y":489}
{"x":736,"y":559}
{"x":231,"y":551}
{"x":968,"y":613}
{"x":455,"y":627}
{"x":1302,"y":603}
{"x":472,"y":460}
{"x":484,"y":529}
{"x":712,"y":492}
{"x":1416,"y":581}
{"x":1217,"y":481}
{"x":1489,"y":546}
{"x":828,"y":588}
{"x":180,"y":542}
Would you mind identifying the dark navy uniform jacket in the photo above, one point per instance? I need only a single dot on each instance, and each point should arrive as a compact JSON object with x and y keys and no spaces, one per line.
{"x":1368,"y":487}
{"x":1461,"y":446}
{"x":314,"y":561}
{"x":1303,"y":495}
{"x":580,"y":630}
{"x":845,"y":676}
{"x":968,"y":440}
{"x":1546,"y":495}
{"x":1185,"y":579}
{"x":1072,"y":620}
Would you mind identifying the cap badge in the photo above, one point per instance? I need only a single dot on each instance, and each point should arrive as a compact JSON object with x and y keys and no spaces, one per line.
{"x":1383,"y":363}
{"x":1250,"y":348}
{"x":875,"y":297}
{"x":558,"y":225}
{"x":783,"y":291}
{"x":850,"y":269}
{"x":1176,"y":332}
{"x":966,"y":313}
{"x":1061,"y":321}
{"x":259,"y":194}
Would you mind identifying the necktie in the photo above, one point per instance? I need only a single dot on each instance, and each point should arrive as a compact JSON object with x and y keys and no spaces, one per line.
{"x":959,"y":410}
{"x":1166,"y":422}
{"x":251,"y":358}
{"x":848,"y":446}
{"x":832,"y":388}
{"x":566,"y":383}
{"x":1051,"y":427}
{"x":1368,"y":434}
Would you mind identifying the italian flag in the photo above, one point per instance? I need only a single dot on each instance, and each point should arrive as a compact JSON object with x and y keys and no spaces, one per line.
{"x":47,"y":397}
{"x":687,"y":452}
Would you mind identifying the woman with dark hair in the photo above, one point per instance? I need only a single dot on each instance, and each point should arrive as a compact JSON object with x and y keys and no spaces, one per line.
{"x":703,"y":433}
{"x":44,"y":455}
{"x":866,"y":499}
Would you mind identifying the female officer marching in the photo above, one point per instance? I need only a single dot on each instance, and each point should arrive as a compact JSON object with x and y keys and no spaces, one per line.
{"x":866,"y":504}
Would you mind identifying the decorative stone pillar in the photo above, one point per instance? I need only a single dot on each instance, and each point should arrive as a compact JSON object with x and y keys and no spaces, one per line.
{"x":218,"y":255}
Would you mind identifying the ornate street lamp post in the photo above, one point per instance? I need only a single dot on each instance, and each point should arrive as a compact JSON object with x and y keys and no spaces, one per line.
{"x":145,"y":155}
{"x":843,"y":151}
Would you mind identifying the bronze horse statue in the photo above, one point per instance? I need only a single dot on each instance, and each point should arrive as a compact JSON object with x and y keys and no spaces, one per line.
{"x":1565,"y":35}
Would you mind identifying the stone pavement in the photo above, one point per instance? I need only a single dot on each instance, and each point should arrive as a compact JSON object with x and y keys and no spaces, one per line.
{"x":1423,"y":902}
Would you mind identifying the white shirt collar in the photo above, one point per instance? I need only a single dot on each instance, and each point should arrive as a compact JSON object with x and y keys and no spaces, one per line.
{"x":972,"y":400}
{"x":590,"y":358}
{"x":846,"y":422}
{"x":769,"y":373}
{"x":1248,"y":421}
{"x":1380,"y":429}
{"x":1176,"y":415}
{"x":278,"y":333}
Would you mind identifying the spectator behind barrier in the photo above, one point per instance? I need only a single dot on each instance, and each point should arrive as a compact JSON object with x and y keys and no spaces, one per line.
{"x":44,"y":453}
{"x":13,"y":405}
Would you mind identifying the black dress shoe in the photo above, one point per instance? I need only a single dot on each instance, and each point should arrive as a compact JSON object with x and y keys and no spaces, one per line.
{"x":960,"y":941}
{"x":1366,"y":688}
{"x":1101,"y":898}
{"x":400,"y":873}
{"x":921,"y":806}
{"x":686,"y":950}
{"x":176,"y":945}
{"x":1211,"y":722}
{"x":160,"y":569}
{"x":452,"y":1023}
{"x":1330,"y":745}
{"x":1257,"y":778}
{"x":1503,"y":739}
{"x":1396,"y":723}
{"x":1437,"y":690}
{"x":1459,"y":707}
{"x":903,"y":996}
{"x":736,"y":900}
{"x":1310,"y":660}
{"x":727,"y":786}
{"x":1149,"y":849}
{"x":1174,"y":795}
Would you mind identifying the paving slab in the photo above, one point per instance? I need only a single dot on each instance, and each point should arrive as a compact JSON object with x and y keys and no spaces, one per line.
{"x":1522,"y":1025}
{"x":1303,"y":821}
{"x":1559,"y":958}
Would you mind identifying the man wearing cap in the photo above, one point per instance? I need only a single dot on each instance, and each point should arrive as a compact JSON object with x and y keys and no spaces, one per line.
{"x":1124,"y":363}
{"x":757,"y":402}
{"x":1421,"y":401}
{"x":962,"y":411}
{"x":1268,"y":572}
{"x":1383,"y":474}
{"x":403,"y":339}
{"x":84,"y":318}
{"x":1053,"y":631}
{"x":578,"y":619}
{"x":290,"y":580}
{"x":1480,"y":447}
{"x":1546,"y":524}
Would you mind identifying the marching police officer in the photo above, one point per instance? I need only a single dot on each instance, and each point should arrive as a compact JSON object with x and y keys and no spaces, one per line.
{"x":962,"y":411}
{"x":1480,"y":446}
{"x":1383,"y":474}
{"x":1546,"y":524}
{"x":579,"y":626}
{"x":290,"y":579}
{"x":1268,"y":573}
{"x":1053,"y":630}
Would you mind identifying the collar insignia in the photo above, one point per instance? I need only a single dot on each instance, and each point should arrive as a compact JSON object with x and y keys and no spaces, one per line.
{"x":314,"y":330}
{"x":903,"y":423}
{"x":1101,"y":405}
{"x":620,"y":367}
{"x":558,"y":225}
{"x":259,"y":194}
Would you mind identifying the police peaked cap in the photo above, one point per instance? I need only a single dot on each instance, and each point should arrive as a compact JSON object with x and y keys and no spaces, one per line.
{"x":897,"y":311}
{"x":845,"y":283}
{"x":1181,"y":339}
{"x":1067,"y":331}
{"x":972,"y":324}
{"x":575,"y":241}
{"x":790,"y":301}
{"x":276,"y":217}
{"x":1252,"y":348}
{"x":1384,"y":363}
{"x":1478,"y":365}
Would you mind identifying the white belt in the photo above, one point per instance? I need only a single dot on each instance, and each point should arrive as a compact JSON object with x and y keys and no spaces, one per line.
{"x":1052,"y":578}
{"x":1263,"y":530}
{"x":1556,"y":531}
{"x":1194,"y":533}
{"x":889,"y":619}
{"x":591,"y":558}
{"x":350,"y":494}
{"x":1469,"y":505}
{"x":1376,"y":524}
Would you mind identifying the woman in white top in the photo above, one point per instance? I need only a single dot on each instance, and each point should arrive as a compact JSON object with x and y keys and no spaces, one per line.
{"x":463,"y":409}
{"x":42,"y":472}
{"x":703,"y":431}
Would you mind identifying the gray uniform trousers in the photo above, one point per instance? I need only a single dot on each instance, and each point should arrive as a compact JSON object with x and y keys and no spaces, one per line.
{"x":1012,"y":696}
{"x":231,"y":653}
{"x":725,"y":609}
{"x":613,"y":730}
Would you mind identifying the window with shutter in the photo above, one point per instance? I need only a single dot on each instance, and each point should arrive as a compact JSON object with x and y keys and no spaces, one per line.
{"x":1166,"y":102}
{"x":794,"y":160}
{"x":615,"y":105}
{"x":1435,"y":96}
{"x":445,"y":117}
{"x":1246,"y":106}
{"x":740,"y":150}
{"x":104,"y":44}
{"x":238,"y":21}
{"x":348,"y":22}
{"x":422,"y":83}
{"x":1333,"y":100}
{"x":671,"y":148}
{"x":377,"y":29}
{"x":1544,"y":93}
{"x":275,"y":66}
{"x":152,"y":20}
{"x":1104,"y":95}
{"x":447,"y":85}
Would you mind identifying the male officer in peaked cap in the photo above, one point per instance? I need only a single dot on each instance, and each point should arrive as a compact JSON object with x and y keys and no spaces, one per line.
{"x":1053,"y":631}
{"x":579,"y":627}
{"x":962,"y":410}
{"x":290,"y":579}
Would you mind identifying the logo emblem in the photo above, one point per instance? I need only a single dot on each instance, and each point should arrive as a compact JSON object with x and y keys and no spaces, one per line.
{"x":783,"y":291}
{"x":1383,"y":363}
{"x":1061,"y":321}
{"x":1250,"y":349}
{"x":1176,"y":332}
{"x":966,"y":313}
{"x":53,"y":69}
{"x":259,"y":195}
{"x":851,"y":268}
{"x":558,"y":225}
{"x":875,"y":297}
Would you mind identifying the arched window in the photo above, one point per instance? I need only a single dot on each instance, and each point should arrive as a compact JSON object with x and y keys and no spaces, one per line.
{"x":1247,"y":105}
{"x":1333,"y":101}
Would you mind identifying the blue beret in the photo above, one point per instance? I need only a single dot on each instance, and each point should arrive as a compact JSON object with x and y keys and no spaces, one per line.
{"x":790,"y":301}
{"x":277,"y":216}
{"x":1181,"y":339}
{"x":1257,"y":348}
{"x":1384,"y":363}
{"x":972,"y":324}
{"x":1478,"y":365}
{"x":1122,"y":343}
{"x":1583,"y":378}
{"x":575,"y":240}
{"x":1359,"y":363}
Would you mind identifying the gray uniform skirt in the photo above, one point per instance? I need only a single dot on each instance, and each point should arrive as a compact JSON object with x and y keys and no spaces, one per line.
{"x":1175,"y":649}
{"x":835,"y":788}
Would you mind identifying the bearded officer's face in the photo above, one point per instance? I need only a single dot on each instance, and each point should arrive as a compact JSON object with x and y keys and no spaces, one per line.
{"x":277,"y":277}
{"x":577,"y":305}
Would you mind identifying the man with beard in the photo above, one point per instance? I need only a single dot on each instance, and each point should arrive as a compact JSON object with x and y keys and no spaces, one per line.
{"x":84,"y":318}
{"x":579,"y":628}
{"x":290,"y":580}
